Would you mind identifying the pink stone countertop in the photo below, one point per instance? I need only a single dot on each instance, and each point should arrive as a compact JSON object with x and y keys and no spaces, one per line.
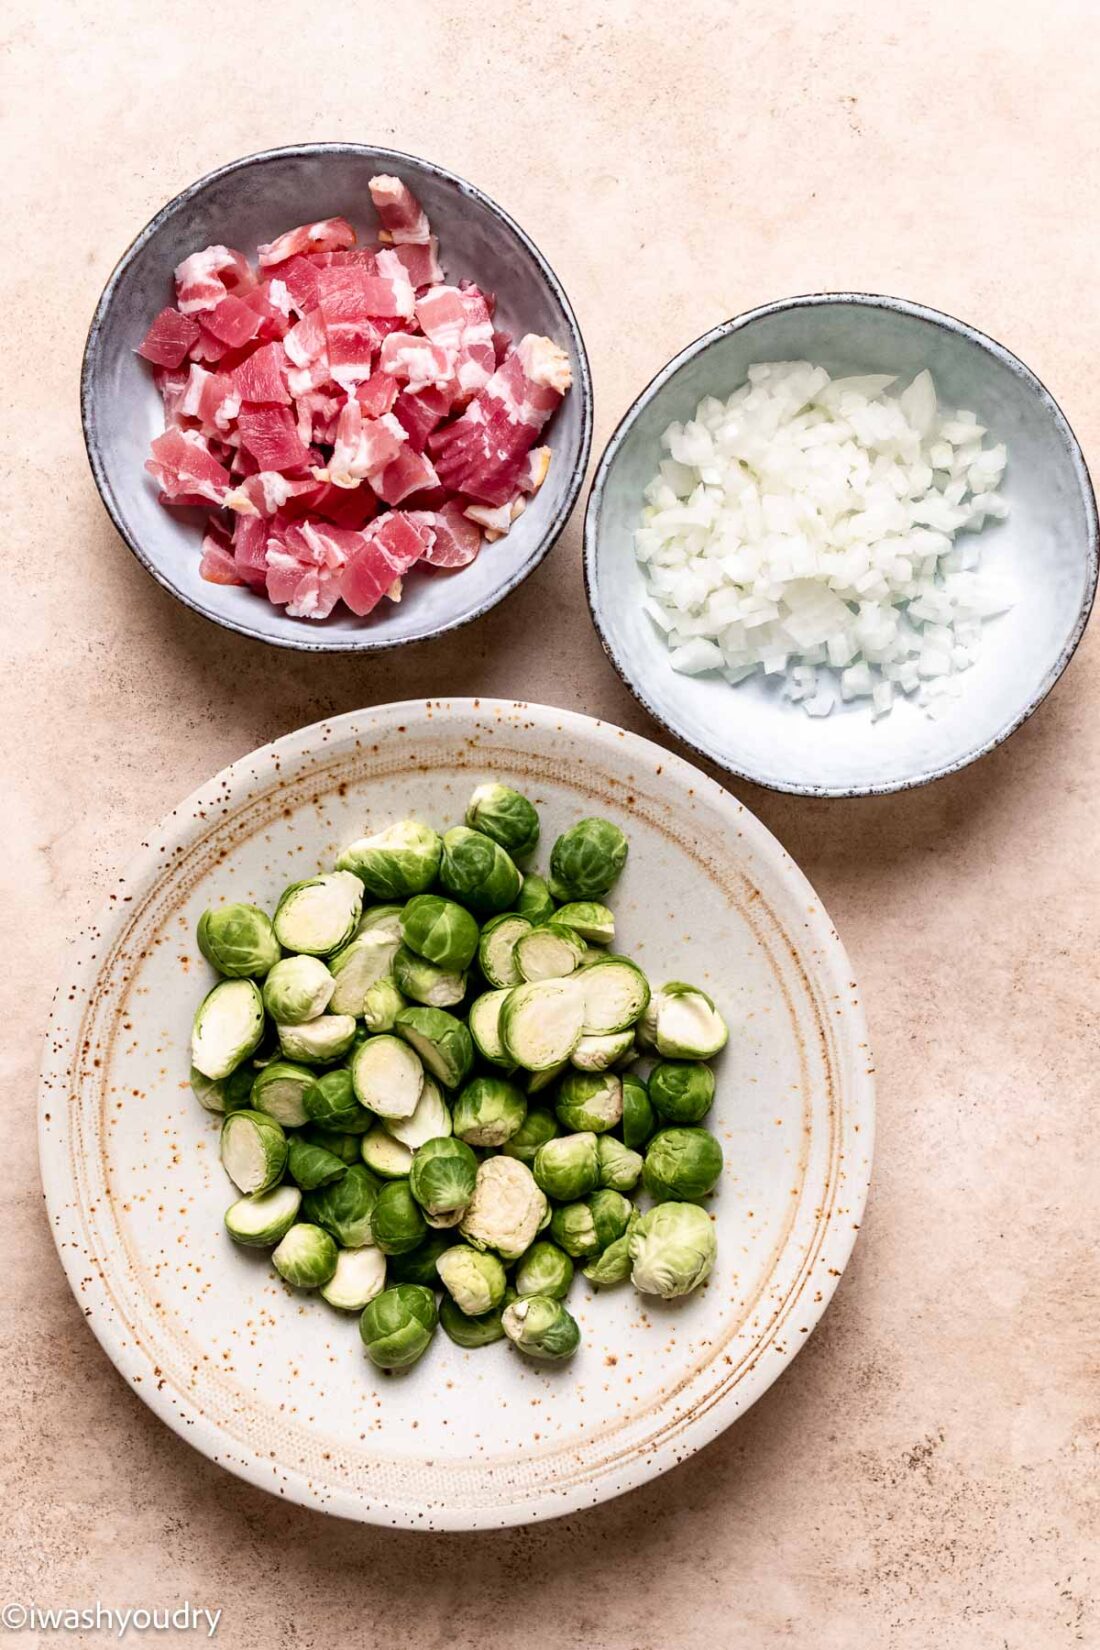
{"x":925,"y":1473}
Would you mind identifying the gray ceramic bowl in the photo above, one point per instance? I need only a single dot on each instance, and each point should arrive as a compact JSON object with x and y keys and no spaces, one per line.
{"x":1046,"y":551}
{"x":250,"y":201}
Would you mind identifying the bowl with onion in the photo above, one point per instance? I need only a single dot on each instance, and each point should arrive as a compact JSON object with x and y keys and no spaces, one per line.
{"x":842,"y":544}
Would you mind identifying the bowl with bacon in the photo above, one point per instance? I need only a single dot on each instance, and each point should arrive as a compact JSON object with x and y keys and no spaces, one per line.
{"x":335,"y":398}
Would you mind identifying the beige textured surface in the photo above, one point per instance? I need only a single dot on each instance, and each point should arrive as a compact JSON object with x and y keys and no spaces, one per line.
{"x":925,"y":1474}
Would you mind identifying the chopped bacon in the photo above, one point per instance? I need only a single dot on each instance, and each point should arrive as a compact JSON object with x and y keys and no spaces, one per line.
{"x":272,"y":302}
{"x":390,"y":546}
{"x":364,"y":447}
{"x":169,"y":338}
{"x":455,"y":539}
{"x":416,"y":361}
{"x":217,"y":565}
{"x":377,"y":394}
{"x":346,"y":506}
{"x":233,"y":322}
{"x":206,"y":277}
{"x":403,"y":219}
{"x":262,"y":376}
{"x":271,"y":436}
{"x":421,"y":412}
{"x":421,"y":263}
{"x":172,"y":384}
{"x":186,"y":469}
{"x":250,"y":550}
{"x":459,"y":320}
{"x":502,"y":343}
{"x":481,"y":453}
{"x":267,"y":492}
{"x":328,"y":235}
{"x":212,"y":398}
{"x":410,"y":472}
{"x":319,"y":414}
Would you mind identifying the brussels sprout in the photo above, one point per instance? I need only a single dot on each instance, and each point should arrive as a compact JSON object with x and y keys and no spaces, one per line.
{"x":418,"y":1265}
{"x":384,"y":919}
{"x":616,"y":994}
{"x":682,"y":1165}
{"x":330,"y":1102}
{"x":567,"y":1168}
{"x":387,"y":1076}
{"x":381,"y":1006}
{"x":444,"y":1223}
{"x":536,"y":1129}
{"x":477,"y":871}
{"x":385,"y":1156}
{"x":425,"y":983}
{"x":319,"y":915}
{"x":473,"y":1332}
{"x":223,"y":1094}
{"x":589,"y":1100}
{"x":544,"y":1270}
{"x":496,"y":951}
{"x":397,"y":1325}
{"x":612,"y":1266}
{"x":639,"y":1120}
{"x":506,"y":1210}
{"x":253,"y":1150}
{"x":541,"y":1023}
{"x":443,"y":1043}
{"x":541,"y":1327}
{"x":536,"y":1081}
{"x":586,"y":860}
{"x":673,"y":1250}
{"x":430,"y":1121}
{"x":588,"y":918}
{"x":359,"y":966}
{"x":686,"y":1024}
{"x":298,"y":989}
{"x":228,"y":1027}
{"x":238,"y":940}
{"x":549,"y":953}
{"x":474,"y":1280}
{"x":396,"y":1221}
{"x":344,"y":1208}
{"x":681,"y":1091}
{"x":306,"y":1257}
{"x":619,"y":1166}
{"x":396,"y":863}
{"x":318,"y":1041}
{"x":488,"y":1111}
{"x":341,"y":1145}
{"x":587,"y":1227}
{"x":312,"y":1166}
{"x":360,"y":1275}
{"x":441,"y":931}
{"x":598,"y":1053}
{"x":506,"y":816}
{"x":484,"y":1021}
{"x":443,"y":1175}
{"x":262,"y":1219}
{"x":533,"y":900}
{"x":280,"y":1091}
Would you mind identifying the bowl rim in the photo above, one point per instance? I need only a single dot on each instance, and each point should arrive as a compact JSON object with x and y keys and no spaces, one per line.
{"x":364,"y":641}
{"x":812,"y":300}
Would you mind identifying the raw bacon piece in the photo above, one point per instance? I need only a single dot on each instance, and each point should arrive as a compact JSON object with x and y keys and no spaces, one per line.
{"x":262,"y":376}
{"x":212,"y":398}
{"x":217,"y":565}
{"x":206,"y":277}
{"x":455,"y":539}
{"x":266,"y":493}
{"x":172,"y":384}
{"x":327,"y":235}
{"x":459,"y":320}
{"x":250,"y":550}
{"x":377,"y":395}
{"x":306,"y":345}
{"x":481,"y":453}
{"x":319,"y":414}
{"x":271,"y":436}
{"x":421,"y":263}
{"x":390,"y":546}
{"x":496,"y":519}
{"x":169,"y":338}
{"x":416,"y":362}
{"x":364,"y":447}
{"x":272,"y":303}
{"x":410,"y":472}
{"x":186,"y":469}
{"x":345,"y":506}
{"x":420,"y":413}
{"x":299,"y":276}
{"x":403,"y":219}
{"x":233,"y":321}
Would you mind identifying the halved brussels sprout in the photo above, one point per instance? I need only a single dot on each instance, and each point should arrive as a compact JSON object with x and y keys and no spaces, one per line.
{"x":616,"y":993}
{"x":443,"y":1043}
{"x":330,"y":1102}
{"x":484,"y":1022}
{"x":639,"y":1119}
{"x":298,"y":989}
{"x":318,"y":1041}
{"x":397,"y":1326}
{"x":396,"y":863}
{"x":223,"y":1094}
{"x":430,"y":1121}
{"x":567,"y":1168}
{"x":311,"y":1166}
{"x":360,"y":965}
{"x":589,"y":1226}
{"x":686,"y":1024}
{"x":473,"y":1278}
{"x":441,"y":931}
{"x":588,"y":918}
{"x":598,"y":1053}
{"x":541,"y":1023}
{"x":506,"y":816}
{"x":496,"y":951}
{"x":549,"y":953}
{"x":387,"y":1076}
{"x":536,"y":1129}
{"x":612,"y":1265}
{"x":341,"y":1145}
{"x":425,"y":983}
{"x":397,"y":1222}
{"x":488,"y":1111}
{"x":253,"y":1150}
{"x":306,"y":1257}
{"x":544,"y":1270}
{"x":262,"y":1219}
{"x":620,"y":1168}
{"x":360,"y":1275}
{"x":238,"y":940}
{"x":443,"y":1175}
{"x":418,"y":1265}
{"x":506,"y":1210}
{"x":535,"y":1082}
{"x":229,"y":1026}
{"x":589,"y":1100}
{"x":541,"y":1327}
{"x":586,"y":860}
{"x":477,"y":871}
{"x":280,"y":1091}
{"x":381,"y":1006}
{"x":381,"y":918}
{"x":533,"y":900}
{"x":682,"y":1165}
{"x":384,"y":1155}
{"x":319,"y":915}
{"x":344,"y":1208}
{"x":673,"y":1250}
{"x":473,"y":1332}
{"x":681,"y":1091}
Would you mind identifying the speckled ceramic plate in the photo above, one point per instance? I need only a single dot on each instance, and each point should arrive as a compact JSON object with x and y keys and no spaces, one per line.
{"x":274,"y":1385}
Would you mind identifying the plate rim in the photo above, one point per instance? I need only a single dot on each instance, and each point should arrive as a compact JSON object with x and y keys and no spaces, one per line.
{"x":78,"y":983}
